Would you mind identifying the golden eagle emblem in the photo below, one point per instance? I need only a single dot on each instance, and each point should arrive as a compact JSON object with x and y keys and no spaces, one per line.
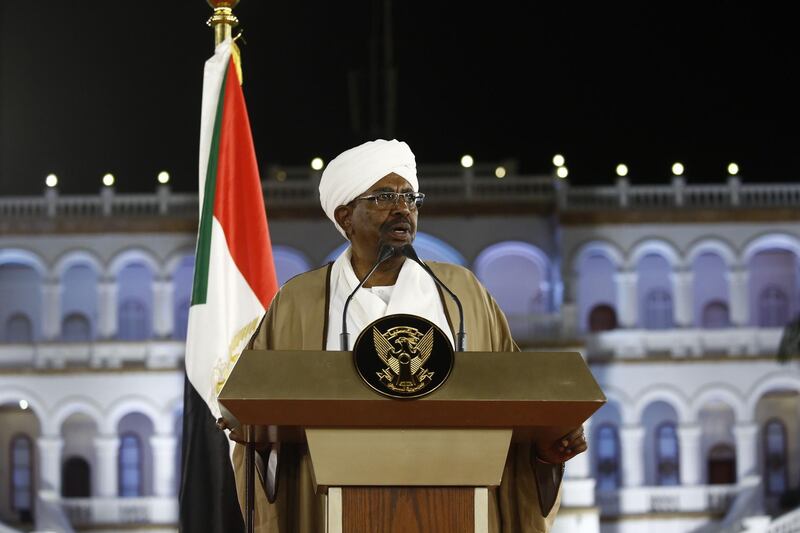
{"x":404,"y":350}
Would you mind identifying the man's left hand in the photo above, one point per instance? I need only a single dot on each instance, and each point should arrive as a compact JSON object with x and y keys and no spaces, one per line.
{"x":562,"y":449}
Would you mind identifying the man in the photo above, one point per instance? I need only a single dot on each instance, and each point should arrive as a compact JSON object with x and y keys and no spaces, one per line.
{"x":371,"y":194}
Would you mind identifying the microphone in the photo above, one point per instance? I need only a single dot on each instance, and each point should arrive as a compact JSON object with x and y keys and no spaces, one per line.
{"x":384,"y":252}
{"x":461,"y":338}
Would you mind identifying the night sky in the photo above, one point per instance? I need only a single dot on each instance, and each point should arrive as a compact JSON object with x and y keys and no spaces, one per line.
{"x":111,"y":86}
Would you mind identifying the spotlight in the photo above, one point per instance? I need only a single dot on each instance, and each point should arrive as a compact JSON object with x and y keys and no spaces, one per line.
{"x":51,"y":180}
{"x":500,"y":172}
{"x":733,"y":169}
{"x":677,"y":169}
{"x":622,"y":170}
{"x":108,"y":180}
{"x":317,"y":163}
{"x":467,"y":161}
{"x":163,"y":177}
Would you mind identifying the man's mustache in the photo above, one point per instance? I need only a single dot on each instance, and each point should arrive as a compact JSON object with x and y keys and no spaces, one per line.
{"x":387,"y":226}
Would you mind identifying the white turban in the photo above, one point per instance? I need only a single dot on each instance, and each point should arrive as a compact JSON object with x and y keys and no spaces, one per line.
{"x":356,"y":170}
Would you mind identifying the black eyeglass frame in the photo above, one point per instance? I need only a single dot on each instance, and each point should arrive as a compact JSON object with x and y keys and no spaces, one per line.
{"x":387,"y":199}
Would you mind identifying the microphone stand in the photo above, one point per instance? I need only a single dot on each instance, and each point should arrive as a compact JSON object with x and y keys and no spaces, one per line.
{"x":461,"y":337}
{"x":385,"y":252}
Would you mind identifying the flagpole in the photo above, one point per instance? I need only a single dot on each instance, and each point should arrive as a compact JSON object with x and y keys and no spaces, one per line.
{"x":223,"y":20}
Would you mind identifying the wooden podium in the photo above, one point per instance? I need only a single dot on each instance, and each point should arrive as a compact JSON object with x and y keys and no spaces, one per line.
{"x":419,"y":465}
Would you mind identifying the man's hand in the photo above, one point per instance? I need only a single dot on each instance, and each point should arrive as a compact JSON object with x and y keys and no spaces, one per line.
{"x":562,"y":449}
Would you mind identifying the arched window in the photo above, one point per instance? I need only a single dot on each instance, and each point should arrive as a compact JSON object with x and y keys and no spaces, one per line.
{"x":602,"y":318}
{"x":773,"y":307}
{"x":775,"y":464}
{"x":607,"y":456}
{"x":133,"y":324}
{"x":130,"y":466}
{"x":22,"y":477}
{"x":658,"y":309}
{"x":75,"y":328}
{"x":76,"y":478}
{"x":715,"y":315}
{"x":19,"y":329}
{"x":667,"y":465}
{"x":721,"y":465}
{"x":181,"y":319}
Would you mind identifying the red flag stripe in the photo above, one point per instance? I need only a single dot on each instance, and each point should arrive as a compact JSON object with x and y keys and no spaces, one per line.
{"x":239,"y":200}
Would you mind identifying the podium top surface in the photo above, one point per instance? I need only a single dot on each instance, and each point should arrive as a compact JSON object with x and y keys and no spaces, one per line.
{"x":485,"y":389}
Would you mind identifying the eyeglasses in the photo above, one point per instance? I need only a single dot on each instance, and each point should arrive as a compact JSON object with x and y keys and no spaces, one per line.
{"x":386,"y":200}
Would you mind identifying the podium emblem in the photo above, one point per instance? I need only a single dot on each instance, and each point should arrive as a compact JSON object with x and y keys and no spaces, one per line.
{"x":403,"y":356}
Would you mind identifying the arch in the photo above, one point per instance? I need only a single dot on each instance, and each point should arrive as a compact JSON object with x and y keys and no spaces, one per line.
{"x":133,"y":255}
{"x":654,"y":246}
{"x":70,"y":406}
{"x":72,"y":258}
{"x":519,"y":248}
{"x":776,"y":380}
{"x":162,"y":423}
{"x":607,"y":456}
{"x":13,"y":395}
{"x":773,"y":307}
{"x":783,"y":241}
{"x":130,"y":466}
{"x":587,"y":249}
{"x":667,"y":454}
{"x":721,"y":464}
{"x":431,"y":248}
{"x":715,"y":314}
{"x":663,"y":393}
{"x":176,"y":259}
{"x":519,"y":277}
{"x":774,"y":447}
{"x":716,"y":246}
{"x":289,"y":262}
{"x":22,"y":467}
{"x":75,"y":327}
{"x":18,"y":328}
{"x":76,"y":477}
{"x":657,"y":309}
{"x":622,"y":402}
{"x":602,"y":317}
{"x":721,"y":392}
{"x":24,"y":257}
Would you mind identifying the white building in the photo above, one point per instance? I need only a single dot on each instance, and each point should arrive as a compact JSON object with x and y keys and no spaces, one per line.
{"x":676,"y":294}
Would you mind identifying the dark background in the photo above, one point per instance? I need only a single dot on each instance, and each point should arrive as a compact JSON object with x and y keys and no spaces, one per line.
{"x":114,"y":86}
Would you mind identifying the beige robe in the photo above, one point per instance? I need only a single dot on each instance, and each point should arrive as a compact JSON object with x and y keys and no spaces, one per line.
{"x":297,"y":320}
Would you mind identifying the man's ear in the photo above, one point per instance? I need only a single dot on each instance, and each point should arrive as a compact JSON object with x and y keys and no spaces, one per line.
{"x":343,"y":215}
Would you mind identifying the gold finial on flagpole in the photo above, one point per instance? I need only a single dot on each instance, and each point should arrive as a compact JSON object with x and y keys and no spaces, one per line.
{"x":223,"y":20}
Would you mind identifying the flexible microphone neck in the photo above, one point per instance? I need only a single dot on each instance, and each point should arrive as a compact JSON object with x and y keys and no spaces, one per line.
{"x":461,"y":338}
{"x":385,"y":252}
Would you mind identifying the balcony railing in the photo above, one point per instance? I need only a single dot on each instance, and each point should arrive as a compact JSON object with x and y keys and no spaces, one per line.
{"x":87,"y":512}
{"x":100,"y":354}
{"x":444,"y":187}
{"x":714,"y":499}
{"x":684,"y":342}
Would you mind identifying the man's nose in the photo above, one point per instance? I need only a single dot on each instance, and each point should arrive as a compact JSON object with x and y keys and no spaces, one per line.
{"x":400,"y":206}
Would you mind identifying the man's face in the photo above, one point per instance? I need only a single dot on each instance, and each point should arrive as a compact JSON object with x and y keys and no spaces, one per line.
{"x":368,"y":225}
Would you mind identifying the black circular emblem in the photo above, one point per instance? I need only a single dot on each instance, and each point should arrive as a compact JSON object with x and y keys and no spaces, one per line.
{"x":403,"y":356}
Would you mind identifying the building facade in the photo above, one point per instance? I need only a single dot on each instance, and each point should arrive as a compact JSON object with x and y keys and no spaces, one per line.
{"x":677,"y":295}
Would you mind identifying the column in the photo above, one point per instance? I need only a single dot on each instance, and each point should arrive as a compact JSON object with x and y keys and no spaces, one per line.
{"x":631,"y":439}
{"x":107,"y":308}
{"x":746,"y":435}
{"x":682,"y":285}
{"x":163,"y":447}
{"x":50,"y":462}
{"x":739,"y":284}
{"x":163,"y":316}
{"x":107,"y":450}
{"x":627,"y":297}
{"x":691,"y":464}
{"x":51,"y":309}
